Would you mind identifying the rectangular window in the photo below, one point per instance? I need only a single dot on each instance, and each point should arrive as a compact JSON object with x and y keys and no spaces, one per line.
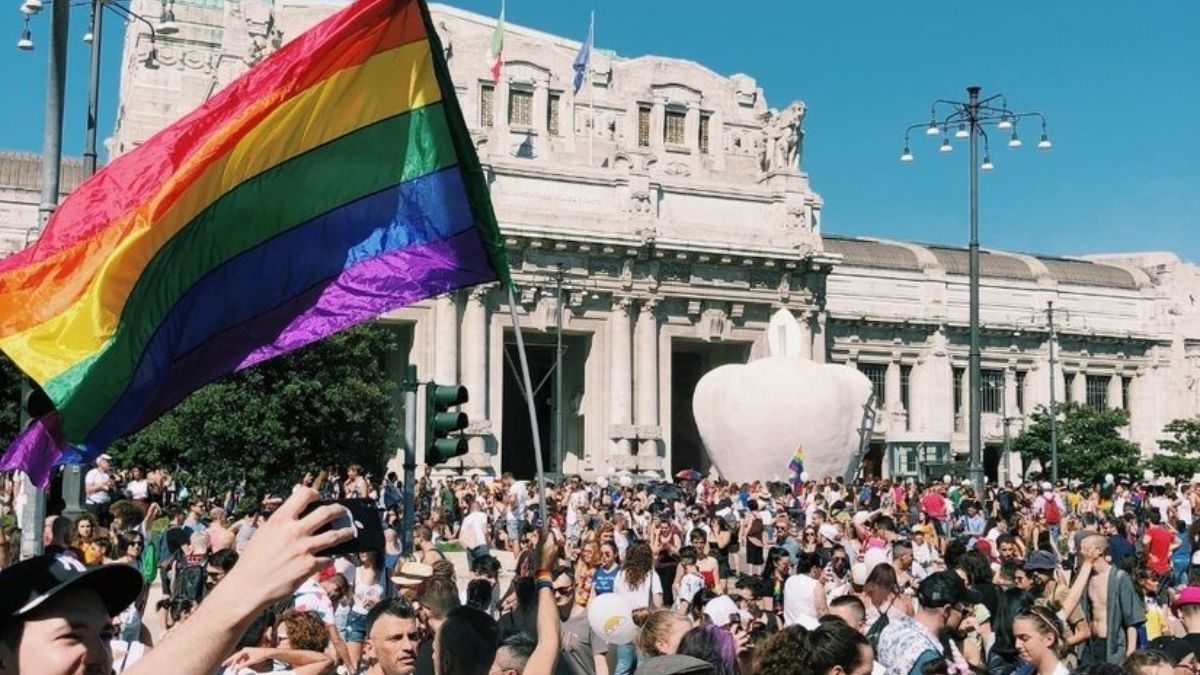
{"x":877,"y":374}
{"x":643,"y":130}
{"x":552,"y":113}
{"x":1097,"y":391}
{"x":520,"y":108}
{"x":906,"y":395}
{"x":991,"y":392}
{"x":487,"y":100}
{"x":673,"y":126}
{"x":1021,"y":392}
{"x":1126,"y":389}
{"x":705,"y":119}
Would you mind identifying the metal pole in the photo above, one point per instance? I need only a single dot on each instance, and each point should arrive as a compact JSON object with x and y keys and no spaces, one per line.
{"x":1007,"y":438}
{"x":533,"y":421}
{"x":976,"y":449}
{"x":559,"y":447}
{"x":93,"y":101}
{"x":1053,"y":403}
{"x":410,"y":454}
{"x":34,"y":511}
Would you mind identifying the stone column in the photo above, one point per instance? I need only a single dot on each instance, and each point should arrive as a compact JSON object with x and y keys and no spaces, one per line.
{"x":474,"y":362}
{"x":1116,"y":397}
{"x":445,"y":357}
{"x":691,"y":128}
{"x":806,"y":335}
{"x":541,"y":102}
{"x":1010,"y":393}
{"x":646,"y":378}
{"x":891,"y":389}
{"x":658,"y":120}
{"x":818,"y":338}
{"x":1079,"y":388}
{"x":620,"y":378}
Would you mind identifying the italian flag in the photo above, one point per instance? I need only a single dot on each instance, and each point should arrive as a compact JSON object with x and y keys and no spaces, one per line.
{"x":496,"y":50}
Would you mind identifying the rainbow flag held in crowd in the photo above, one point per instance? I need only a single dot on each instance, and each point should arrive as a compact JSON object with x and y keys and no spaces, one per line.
{"x":332,"y":183}
{"x":796,"y":466}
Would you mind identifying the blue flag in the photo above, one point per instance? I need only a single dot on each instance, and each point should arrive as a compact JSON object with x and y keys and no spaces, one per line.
{"x":583,"y":57}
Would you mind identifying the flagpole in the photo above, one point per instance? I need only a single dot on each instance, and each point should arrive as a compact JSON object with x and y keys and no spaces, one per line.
{"x":533,"y":421}
{"x":587,"y":82}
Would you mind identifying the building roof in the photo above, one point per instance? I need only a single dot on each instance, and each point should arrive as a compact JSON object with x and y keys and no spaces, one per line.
{"x":880,"y":254}
{"x":23,"y":171}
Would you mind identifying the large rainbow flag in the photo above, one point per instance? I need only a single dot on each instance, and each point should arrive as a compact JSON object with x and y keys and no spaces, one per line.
{"x":332,"y":183}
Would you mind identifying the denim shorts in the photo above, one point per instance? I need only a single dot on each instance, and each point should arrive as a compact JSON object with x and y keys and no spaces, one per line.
{"x":356,"y":627}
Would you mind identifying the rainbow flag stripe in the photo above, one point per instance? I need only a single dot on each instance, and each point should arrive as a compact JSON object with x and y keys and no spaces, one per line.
{"x":332,"y":183}
{"x":796,"y":465}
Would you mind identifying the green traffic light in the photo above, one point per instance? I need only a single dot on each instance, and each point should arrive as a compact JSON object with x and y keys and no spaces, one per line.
{"x":440,"y":422}
{"x":444,"y":396}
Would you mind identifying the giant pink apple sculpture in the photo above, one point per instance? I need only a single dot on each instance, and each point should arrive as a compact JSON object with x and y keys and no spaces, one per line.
{"x":752,"y":417}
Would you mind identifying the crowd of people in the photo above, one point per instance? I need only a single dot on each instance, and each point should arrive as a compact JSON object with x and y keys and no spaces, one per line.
{"x":817,"y":577}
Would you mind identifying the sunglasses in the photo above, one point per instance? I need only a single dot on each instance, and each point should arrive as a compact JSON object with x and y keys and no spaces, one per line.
{"x":564,"y":591}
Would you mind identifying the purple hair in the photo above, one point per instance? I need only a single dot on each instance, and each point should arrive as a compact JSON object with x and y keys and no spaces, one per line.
{"x":714,"y":645}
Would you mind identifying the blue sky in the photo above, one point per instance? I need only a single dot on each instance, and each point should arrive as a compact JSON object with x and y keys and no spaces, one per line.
{"x":1119,"y":82}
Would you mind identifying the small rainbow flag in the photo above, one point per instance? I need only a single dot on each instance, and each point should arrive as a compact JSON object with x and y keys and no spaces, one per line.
{"x":796,"y":466}
{"x":332,"y":183}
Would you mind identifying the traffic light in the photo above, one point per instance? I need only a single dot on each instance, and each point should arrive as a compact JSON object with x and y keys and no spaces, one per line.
{"x":440,"y":421}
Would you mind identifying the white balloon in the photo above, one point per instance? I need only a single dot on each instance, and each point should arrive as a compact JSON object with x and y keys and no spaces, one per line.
{"x":609,"y":615}
{"x":752,"y":417}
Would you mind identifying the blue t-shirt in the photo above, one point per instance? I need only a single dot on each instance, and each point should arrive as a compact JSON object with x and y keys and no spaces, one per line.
{"x":603,"y":581}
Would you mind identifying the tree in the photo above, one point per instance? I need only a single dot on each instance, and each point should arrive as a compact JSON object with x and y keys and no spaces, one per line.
{"x":10,"y":401}
{"x":1089,"y":442}
{"x":326,"y":405}
{"x":1181,"y":453}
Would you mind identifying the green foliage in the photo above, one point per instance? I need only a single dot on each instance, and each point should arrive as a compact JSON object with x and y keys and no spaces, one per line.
{"x":328,"y":404}
{"x":10,"y":401}
{"x":1089,"y":442}
{"x":1180,"y":456}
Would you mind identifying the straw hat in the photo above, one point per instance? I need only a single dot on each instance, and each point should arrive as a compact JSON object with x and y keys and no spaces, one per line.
{"x":412,"y":573}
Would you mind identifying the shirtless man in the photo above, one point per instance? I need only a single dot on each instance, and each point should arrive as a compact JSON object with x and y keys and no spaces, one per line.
{"x":220,"y":537}
{"x":1110,"y":604}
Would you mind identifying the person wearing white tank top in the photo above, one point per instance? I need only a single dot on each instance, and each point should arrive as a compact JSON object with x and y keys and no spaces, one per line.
{"x":804,"y":593}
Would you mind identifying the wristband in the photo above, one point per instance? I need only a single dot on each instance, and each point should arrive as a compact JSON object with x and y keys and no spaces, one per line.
{"x":543,"y":576}
{"x":548,"y":585}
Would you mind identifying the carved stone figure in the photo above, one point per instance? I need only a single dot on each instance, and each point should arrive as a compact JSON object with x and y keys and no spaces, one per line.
{"x":784,"y":139}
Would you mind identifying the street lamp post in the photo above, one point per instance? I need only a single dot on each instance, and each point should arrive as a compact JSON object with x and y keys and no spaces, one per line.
{"x":969,"y":119}
{"x":559,"y":450}
{"x":1053,"y":402}
{"x":34,"y":512}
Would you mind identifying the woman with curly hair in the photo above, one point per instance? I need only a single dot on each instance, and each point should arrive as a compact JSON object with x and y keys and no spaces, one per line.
{"x":640,"y":586}
{"x":301,"y":630}
{"x":585,"y":571}
{"x":832,"y":648}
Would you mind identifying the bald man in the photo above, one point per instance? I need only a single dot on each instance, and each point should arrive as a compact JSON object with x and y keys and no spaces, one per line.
{"x":1110,"y":604}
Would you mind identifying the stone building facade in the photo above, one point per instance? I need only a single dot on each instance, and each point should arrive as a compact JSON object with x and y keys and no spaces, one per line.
{"x":671,"y":206}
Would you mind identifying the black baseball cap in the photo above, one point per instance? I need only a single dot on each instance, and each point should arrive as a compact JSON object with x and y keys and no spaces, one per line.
{"x":945,"y":588}
{"x":32,"y":583}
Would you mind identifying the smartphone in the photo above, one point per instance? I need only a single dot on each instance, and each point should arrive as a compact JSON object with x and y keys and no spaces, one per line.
{"x":362,"y":516}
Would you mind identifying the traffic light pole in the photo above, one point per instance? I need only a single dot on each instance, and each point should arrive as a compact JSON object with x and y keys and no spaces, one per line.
{"x":410,"y":454}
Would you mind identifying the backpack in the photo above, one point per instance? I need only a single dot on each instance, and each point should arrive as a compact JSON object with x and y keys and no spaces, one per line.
{"x":880,"y":623}
{"x":1052,"y":512}
{"x":188,"y":583}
